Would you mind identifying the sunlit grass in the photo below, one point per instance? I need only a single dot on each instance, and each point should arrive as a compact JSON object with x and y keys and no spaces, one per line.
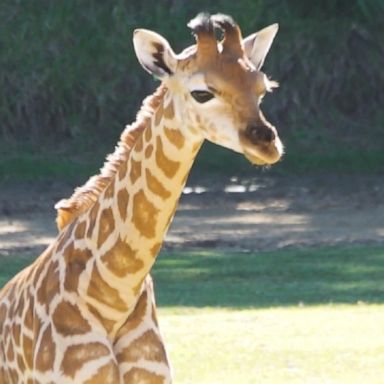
{"x":341,"y":344}
{"x":274,"y":317}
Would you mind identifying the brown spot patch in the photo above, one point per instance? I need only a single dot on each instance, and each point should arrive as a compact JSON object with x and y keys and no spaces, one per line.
{"x":28,"y":317}
{"x":122,"y":202}
{"x":50,"y":285}
{"x":68,"y":320}
{"x":168,"y":166}
{"x":92,"y":218}
{"x":20,"y":363}
{"x":80,"y":230}
{"x":110,"y":191}
{"x":100,"y":290}
{"x":108,"y":373}
{"x":158,"y":116}
{"x":148,"y":151}
{"x":28,"y":351}
{"x":156,"y":249}
{"x":148,"y":347}
{"x":175,"y":137}
{"x":137,"y":288}
{"x":13,"y":302}
{"x":12,"y":373}
{"x":106,"y":226}
{"x":45,"y":355}
{"x":122,"y":170}
{"x":10,"y":352}
{"x":3,"y":315}
{"x":37,"y":325}
{"x":76,"y":261}
{"x":2,"y":371}
{"x":155,"y":186}
{"x":135,"y":171}
{"x":139,"y":375}
{"x":63,"y":238}
{"x":121,"y":259}
{"x":135,"y":319}
{"x":106,"y":323}
{"x":169,"y":112}
{"x":148,"y":133}
{"x":144,"y":215}
{"x":139,"y":144}
{"x":16,"y":333}
{"x":77,"y":355}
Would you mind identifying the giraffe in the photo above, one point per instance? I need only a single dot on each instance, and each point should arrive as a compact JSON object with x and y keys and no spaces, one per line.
{"x":84,"y":311}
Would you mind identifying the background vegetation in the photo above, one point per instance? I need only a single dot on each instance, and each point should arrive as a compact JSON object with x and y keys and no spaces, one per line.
{"x":69,"y":80}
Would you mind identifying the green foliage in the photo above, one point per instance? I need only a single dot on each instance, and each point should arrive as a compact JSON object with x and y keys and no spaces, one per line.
{"x":68,"y":70}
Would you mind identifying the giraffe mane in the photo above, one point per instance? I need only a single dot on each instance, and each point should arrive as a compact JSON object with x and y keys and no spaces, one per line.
{"x":85,"y":196}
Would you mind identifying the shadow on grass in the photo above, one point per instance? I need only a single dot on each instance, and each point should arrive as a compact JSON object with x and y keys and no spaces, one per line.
{"x":267,"y":279}
{"x":284,"y":278}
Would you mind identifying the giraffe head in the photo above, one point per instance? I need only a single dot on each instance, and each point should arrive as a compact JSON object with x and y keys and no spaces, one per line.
{"x":219,"y":82}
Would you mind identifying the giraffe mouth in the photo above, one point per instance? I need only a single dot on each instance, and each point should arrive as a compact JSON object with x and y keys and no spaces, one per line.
{"x":255,"y":160}
{"x":261,"y":150}
{"x":264,"y":155}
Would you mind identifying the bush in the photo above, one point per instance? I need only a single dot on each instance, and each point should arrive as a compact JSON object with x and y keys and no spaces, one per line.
{"x":68,"y":70}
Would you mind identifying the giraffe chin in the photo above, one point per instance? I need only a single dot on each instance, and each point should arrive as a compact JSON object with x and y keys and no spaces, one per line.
{"x":261,"y":160}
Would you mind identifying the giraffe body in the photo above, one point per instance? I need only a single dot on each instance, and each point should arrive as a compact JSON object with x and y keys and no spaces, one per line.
{"x":84,"y":311}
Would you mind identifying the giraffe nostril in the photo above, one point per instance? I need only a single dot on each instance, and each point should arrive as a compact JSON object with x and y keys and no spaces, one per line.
{"x":260,"y":133}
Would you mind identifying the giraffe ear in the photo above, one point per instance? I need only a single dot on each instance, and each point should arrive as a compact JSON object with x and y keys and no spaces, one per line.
{"x":154,"y":53}
{"x":257,"y":45}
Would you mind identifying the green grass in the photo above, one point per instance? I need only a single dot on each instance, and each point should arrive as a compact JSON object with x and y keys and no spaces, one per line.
{"x":284,"y":278}
{"x":292,"y":316}
{"x":260,"y":280}
{"x":10,"y":267}
{"x":274,"y":317}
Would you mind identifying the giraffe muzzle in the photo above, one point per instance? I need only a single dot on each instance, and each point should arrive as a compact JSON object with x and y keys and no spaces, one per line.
{"x":258,"y":134}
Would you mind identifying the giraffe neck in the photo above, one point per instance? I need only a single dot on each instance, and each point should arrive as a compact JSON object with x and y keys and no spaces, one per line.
{"x":119,"y":238}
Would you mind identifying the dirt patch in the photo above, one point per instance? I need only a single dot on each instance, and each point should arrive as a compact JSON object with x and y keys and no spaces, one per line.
{"x":253,"y":214}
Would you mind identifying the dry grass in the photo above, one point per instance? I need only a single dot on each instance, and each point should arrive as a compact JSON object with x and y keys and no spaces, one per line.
{"x":333,"y":344}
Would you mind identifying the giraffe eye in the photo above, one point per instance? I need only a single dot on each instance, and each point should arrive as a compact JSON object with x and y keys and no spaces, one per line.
{"x":202,"y":96}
